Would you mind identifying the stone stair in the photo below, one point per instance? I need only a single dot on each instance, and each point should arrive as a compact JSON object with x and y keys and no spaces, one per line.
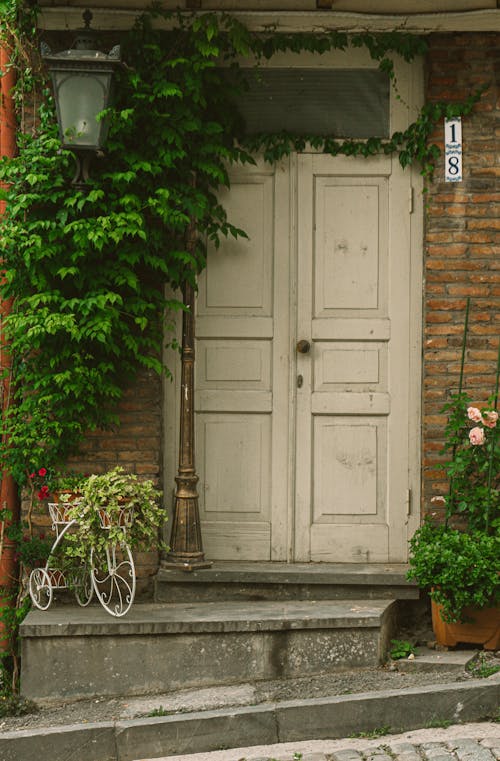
{"x":286,"y":581}
{"x":228,"y":624}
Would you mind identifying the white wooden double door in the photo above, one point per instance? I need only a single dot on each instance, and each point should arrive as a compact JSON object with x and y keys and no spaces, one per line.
{"x":305,"y":456}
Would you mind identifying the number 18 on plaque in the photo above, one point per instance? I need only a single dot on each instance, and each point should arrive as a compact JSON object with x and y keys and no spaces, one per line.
{"x":453,"y":149}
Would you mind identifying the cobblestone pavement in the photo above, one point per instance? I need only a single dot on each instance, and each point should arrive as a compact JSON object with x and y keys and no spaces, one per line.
{"x":464,"y":742}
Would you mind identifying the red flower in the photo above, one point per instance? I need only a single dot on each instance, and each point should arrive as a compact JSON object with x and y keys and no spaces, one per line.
{"x":42,"y":472}
{"x":43,"y":493}
{"x":32,"y":475}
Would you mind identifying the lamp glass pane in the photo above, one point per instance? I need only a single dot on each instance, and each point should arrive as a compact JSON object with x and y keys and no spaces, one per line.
{"x":81,"y":98}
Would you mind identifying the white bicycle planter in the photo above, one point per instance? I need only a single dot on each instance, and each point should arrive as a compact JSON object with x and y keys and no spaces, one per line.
{"x":110,"y":576}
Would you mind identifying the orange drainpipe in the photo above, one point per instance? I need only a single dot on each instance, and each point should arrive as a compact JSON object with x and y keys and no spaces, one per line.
{"x":8,"y":492}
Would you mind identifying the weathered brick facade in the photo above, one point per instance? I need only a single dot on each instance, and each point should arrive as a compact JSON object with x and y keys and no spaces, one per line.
{"x":462,"y":241}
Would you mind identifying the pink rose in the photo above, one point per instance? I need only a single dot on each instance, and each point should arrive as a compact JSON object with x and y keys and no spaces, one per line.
{"x":474,"y":414}
{"x":476,"y":436}
{"x":490,"y":418}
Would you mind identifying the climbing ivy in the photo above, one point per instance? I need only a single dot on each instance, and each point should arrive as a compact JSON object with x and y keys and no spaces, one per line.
{"x":86,"y":269}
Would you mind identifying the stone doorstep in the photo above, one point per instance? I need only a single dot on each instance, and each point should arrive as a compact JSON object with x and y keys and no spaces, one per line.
{"x":176,"y":618}
{"x":70,"y":653}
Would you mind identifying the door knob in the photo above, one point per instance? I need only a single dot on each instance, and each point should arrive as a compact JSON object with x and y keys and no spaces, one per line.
{"x":303,"y":347}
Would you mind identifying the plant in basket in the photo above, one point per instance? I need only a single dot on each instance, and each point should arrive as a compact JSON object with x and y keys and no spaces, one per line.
{"x":116,"y":508}
{"x":117,"y":513}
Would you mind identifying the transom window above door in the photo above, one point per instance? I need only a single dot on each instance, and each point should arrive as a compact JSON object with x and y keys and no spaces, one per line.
{"x":348,"y":103}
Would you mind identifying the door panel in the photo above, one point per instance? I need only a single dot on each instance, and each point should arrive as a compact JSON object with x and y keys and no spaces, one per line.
{"x":348,"y":499}
{"x":237,"y":371}
{"x":349,"y":243}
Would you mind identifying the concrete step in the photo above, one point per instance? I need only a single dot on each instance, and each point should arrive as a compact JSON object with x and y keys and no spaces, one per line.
{"x":286,"y":581}
{"x":70,"y":652}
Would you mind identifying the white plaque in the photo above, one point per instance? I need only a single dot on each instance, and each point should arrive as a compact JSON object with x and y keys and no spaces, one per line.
{"x":453,"y":149}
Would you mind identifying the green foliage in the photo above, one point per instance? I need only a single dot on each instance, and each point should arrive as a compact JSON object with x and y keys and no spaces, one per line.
{"x":12,"y":704}
{"x":401,"y":649}
{"x":411,"y":146}
{"x":30,"y":551}
{"x":160,"y":711}
{"x":13,"y":611}
{"x":459,"y":569}
{"x":18,"y":29}
{"x":87,"y":269}
{"x":483,"y":666}
{"x":436,"y":723}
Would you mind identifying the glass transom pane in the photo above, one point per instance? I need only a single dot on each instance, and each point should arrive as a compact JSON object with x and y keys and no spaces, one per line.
{"x":337,"y":102}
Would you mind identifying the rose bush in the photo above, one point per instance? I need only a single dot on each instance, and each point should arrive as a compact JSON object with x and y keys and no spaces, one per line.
{"x":474,"y":466}
{"x":459,"y":562}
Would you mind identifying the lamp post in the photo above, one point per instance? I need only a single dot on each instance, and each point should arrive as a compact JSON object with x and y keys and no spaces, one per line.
{"x":82,"y":78}
{"x":186,"y":548}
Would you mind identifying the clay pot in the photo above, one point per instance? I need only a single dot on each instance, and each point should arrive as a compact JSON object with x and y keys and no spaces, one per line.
{"x":483,"y":629}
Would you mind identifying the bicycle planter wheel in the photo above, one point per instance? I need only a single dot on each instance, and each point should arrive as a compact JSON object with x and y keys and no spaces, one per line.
{"x":84,"y":589}
{"x":113,"y":578}
{"x":40,"y":588}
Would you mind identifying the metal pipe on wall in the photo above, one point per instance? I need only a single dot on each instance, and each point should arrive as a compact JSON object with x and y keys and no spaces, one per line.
{"x":8,"y":490}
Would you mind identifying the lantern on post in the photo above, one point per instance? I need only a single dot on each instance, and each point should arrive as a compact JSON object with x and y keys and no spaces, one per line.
{"x":82,"y":78}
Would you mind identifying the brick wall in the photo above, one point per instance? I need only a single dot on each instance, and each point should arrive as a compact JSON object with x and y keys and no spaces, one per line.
{"x":462,"y":241}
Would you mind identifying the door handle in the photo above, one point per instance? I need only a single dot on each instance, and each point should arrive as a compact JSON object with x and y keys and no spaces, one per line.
{"x":303,"y":347}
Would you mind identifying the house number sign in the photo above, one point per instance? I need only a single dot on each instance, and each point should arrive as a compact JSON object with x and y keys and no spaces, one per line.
{"x":453,"y":149}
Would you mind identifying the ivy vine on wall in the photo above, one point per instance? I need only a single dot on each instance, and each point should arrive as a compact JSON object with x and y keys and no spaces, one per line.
{"x":87,"y":268}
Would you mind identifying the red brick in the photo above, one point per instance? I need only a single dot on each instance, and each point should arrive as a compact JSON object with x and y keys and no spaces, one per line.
{"x":483,"y":224}
{"x":468,"y":290}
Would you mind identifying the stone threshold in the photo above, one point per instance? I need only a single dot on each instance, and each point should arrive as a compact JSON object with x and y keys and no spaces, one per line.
{"x":294,"y":573}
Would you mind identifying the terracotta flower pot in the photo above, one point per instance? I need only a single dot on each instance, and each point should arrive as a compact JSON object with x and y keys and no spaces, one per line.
{"x":483,"y":629}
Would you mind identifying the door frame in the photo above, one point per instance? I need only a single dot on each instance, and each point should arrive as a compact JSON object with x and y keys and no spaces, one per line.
{"x":411,"y":91}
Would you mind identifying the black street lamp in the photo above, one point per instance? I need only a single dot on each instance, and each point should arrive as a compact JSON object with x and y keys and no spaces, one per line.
{"x":83,"y":86}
